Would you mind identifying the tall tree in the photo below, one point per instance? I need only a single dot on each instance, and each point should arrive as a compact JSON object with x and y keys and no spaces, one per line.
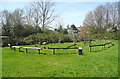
{"x":43,"y":13}
{"x":28,"y":15}
{"x":18,"y":22}
{"x":5,"y":23}
{"x":60,"y":28}
{"x":103,"y":18}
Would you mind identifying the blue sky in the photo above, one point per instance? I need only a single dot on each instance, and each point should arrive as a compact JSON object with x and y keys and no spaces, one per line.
{"x":75,"y":12}
{"x":69,"y":12}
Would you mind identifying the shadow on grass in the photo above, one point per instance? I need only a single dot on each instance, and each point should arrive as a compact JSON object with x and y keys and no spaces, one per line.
{"x":64,"y":53}
{"x":106,"y":48}
{"x":57,"y":53}
{"x":22,"y":51}
{"x":96,"y":50}
{"x":109,"y":46}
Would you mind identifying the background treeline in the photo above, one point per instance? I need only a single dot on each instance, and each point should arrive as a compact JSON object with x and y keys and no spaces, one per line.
{"x":103,"y":22}
{"x":32,"y":24}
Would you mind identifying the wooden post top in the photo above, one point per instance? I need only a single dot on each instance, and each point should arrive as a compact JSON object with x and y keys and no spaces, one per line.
{"x":62,"y":47}
{"x":79,"y":47}
{"x":31,"y":48}
{"x":26,"y":47}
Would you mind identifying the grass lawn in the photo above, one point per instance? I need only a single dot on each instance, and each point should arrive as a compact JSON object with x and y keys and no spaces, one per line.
{"x":65,"y":63}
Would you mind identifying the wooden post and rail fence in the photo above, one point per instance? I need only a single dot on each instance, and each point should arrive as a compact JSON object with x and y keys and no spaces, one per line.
{"x":26,"y":48}
{"x":103,"y":45}
{"x":68,"y":47}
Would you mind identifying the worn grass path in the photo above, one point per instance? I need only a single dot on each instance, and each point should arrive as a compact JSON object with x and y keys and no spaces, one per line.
{"x":65,"y":63}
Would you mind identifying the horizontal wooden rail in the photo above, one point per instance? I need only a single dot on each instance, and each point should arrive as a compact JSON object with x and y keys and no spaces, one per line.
{"x":14,"y":47}
{"x":96,"y":45}
{"x":31,"y":48}
{"x":27,"y":48}
{"x":72,"y":45}
{"x":79,"y":49}
{"x":100,"y":45}
{"x":62,"y":47}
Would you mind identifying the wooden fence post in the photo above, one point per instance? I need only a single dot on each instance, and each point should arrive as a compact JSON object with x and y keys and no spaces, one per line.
{"x":38,"y":51}
{"x":90,"y":48}
{"x":18,"y":49}
{"x":53,"y":51}
{"x":102,"y":46}
{"x":79,"y":50}
{"x":14,"y":49}
{"x":26,"y":51}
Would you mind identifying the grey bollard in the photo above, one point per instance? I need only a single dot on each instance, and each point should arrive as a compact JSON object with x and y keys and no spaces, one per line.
{"x":80,"y":50}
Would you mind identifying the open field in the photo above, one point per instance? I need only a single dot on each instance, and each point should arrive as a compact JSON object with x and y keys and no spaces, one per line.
{"x":65,"y":63}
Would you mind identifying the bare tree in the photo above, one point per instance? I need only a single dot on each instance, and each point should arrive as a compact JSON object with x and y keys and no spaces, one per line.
{"x":28,"y":15}
{"x":5,"y":22}
{"x":102,"y":17}
{"x":99,"y":14}
{"x":60,"y":25}
{"x":18,"y":16}
{"x":18,"y":22}
{"x":89,"y":20}
{"x":43,"y":13}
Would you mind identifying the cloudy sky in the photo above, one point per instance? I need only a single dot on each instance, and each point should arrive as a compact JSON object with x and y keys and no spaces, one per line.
{"x":69,"y":12}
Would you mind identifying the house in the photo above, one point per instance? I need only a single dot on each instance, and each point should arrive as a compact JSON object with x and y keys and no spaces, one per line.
{"x":72,"y":32}
{"x":84,"y":30}
{"x":84,"y":33}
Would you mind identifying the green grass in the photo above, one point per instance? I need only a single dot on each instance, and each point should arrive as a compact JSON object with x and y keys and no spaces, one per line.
{"x":65,"y":63}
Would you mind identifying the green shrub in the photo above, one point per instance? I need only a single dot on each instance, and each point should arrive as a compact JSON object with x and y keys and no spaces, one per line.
{"x":47,"y":36}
